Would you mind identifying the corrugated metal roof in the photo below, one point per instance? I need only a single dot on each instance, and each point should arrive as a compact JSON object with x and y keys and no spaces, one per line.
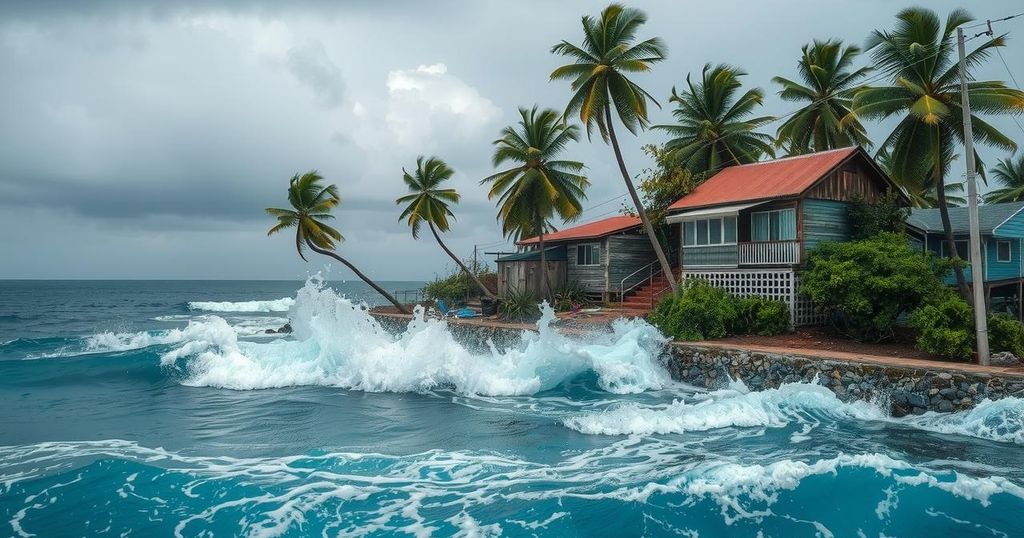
{"x":590,"y":230}
{"x":989,"y":217}
{"x":780,"y":178}
{"x":551,"y":254}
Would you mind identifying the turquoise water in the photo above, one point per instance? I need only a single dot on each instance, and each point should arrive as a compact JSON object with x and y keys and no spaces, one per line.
{"x":162,"y":408}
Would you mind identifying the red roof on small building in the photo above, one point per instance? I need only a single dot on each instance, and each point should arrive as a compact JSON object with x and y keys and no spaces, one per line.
{"x":590,"y":230}
{"x":781,"y":178}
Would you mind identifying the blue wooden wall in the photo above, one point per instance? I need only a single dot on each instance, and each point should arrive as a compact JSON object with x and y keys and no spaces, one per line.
{"x":824,"y":220}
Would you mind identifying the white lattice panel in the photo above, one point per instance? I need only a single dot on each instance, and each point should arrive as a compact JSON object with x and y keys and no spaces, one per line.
{"x":771,"y":284}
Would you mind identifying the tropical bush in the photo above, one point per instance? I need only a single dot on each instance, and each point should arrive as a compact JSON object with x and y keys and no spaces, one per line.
{"x":699,"y":311}
{"x":570,"y":295}
{"x":945,"y":327}
{"x":453,"y":287}
{"x":519,"y":305}
{"x":867,"y":220}
{"x":864,"y":286}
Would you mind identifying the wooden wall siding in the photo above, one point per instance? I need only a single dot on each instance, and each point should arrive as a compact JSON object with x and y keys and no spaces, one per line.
{"x":525,"y":275}
{"x":712,"y":256}
{"x":824,"y":220}
{"x":626,"y":254}
{"x":847,"y":182}
{"x":997,"y":270}
{"x":935,"y":245}
{"x":593,"y":277}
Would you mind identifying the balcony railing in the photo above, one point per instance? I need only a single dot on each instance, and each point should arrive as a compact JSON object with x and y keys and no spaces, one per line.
{"x":770,"y":253}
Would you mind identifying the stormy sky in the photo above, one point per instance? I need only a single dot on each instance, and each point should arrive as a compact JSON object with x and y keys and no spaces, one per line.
{"x":143,"y":140}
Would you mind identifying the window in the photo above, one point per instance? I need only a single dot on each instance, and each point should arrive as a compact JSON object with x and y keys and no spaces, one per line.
{"x":777,"y":225}
{"x":589,"y":254}
{"x":704,"y":232}
{"x":1003,"y":251}
{"x":963,"y":249}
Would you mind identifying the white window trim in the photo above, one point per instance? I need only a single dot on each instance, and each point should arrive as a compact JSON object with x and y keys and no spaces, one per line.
{"x":769,"y":212}
{"x":1009,"y":247}
{"x":682,"y":229}
{"x":588,"y":245}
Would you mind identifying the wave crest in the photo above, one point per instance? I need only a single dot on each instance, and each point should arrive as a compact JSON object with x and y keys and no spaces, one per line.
{"x":277,"y":305}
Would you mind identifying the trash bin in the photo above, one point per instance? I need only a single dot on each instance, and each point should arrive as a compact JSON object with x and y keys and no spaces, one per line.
{"x":488,"y":306}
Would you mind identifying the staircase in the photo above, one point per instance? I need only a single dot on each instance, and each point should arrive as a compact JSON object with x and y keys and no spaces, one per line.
{"x":645,"y":295}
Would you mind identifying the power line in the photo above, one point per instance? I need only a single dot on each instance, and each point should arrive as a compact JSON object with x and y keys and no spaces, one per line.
{"x":990,"y":21}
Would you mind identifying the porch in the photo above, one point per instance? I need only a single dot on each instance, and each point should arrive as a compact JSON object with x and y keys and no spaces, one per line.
{"x":742,"y":254}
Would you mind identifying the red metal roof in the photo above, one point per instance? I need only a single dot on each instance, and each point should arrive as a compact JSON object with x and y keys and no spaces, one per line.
{"x":781,"y":178}
{"x":590,"y":230}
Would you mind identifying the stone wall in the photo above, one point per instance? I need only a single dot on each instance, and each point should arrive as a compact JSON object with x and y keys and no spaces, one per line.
{"x":472,"y":335}
{"x":905,"y":390}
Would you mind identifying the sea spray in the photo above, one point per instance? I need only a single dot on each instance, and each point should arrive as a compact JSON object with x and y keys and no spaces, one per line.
{"x":338,"y":343}
{"x":275,"y":305}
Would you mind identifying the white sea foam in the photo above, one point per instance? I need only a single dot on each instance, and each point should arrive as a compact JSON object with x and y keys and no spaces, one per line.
{"x":998,"y":420}
{"x":276,"y":305}
{"x":338,"y":343}
{"x":792,"y":402}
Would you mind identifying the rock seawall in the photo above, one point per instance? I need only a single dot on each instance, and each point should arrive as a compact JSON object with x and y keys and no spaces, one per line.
{"x":904,"y":390}
{"x":474,"y":336}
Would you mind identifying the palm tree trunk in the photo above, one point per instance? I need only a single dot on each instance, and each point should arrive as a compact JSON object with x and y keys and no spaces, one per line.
{"x":359,"y":274}
{"x":947,"y":227}
{"x":666,"y":268}
{"x":545,"y":285}
{"x":465,"y":269}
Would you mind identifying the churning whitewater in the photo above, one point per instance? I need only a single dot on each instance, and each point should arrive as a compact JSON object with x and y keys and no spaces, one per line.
{"x":167,"y":419}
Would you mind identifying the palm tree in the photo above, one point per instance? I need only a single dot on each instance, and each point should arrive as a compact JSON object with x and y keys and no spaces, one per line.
{"x":429,"y":203}
{"x":1010,"y":176}
{"x":311,"y":206}
{"x":539,"y":185}
{"x":920,"y":57}
{"x":827,"y":84}
{"x":714,"y":129}
{"x":599,"y":84}
{"x":920,"y":188}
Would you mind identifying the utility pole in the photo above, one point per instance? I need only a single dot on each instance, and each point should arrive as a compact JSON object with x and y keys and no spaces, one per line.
{"x":977,"y":270}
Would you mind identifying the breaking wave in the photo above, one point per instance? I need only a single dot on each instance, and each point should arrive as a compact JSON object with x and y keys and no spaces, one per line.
{"x":997,"y":420}
{"x":337,"y":343}
{"x":277,"y":305}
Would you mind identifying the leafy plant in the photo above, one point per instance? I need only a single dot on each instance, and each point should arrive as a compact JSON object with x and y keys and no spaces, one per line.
{"x":665,"y":183}
{"x":1006,"y":334}
{"x":866,"y":285}
{"x":451,"y":288}
{"x":944,"y":326}
{"x":570,"y":295}
{"x":700,"y":311}
{"x":870,"y":219}
{"x":519,"y":305}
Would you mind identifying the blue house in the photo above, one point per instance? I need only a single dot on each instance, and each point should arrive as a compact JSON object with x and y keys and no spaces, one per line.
{"x":1002,"y":239}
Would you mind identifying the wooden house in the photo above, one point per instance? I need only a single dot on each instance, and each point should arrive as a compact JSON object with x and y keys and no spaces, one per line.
{"x":1002,"y":241}
{"x":598,"y":254}
{"x":522,"y":271}
{"x":748,"y":228}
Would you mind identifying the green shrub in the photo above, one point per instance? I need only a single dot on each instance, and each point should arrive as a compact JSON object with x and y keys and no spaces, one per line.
{"x":699,"y":311}
{"x":867,"y":220}
{"x":864,"y":286}
{"x":572,"y":293}
{"x":945,"y":326}
{"x":519,"y":305}
{"x":1005,"y":333}
{"x":451,"y":288}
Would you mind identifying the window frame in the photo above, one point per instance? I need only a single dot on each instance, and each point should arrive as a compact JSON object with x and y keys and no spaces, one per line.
{"x":1009,"y":251}
{"x":723,"y":224}
{"x":967,"y":249}
{"x":768,"y":223}
{"x":583,"y":249}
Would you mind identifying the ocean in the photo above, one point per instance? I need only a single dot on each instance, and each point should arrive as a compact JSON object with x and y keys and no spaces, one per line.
{"x":163,"y":408}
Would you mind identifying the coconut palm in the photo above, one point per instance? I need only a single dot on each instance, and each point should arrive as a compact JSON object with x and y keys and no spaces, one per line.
{"x":427,"y":202}
{"x":599,"y":84}
{"x":920,"y":57}
{"x":920,"y":188}
{"x":1010,"y":176}
{"x":827,"y":84}
{"x":714,"y":128}
{"x":311,"y":207}
{"x":539,"y":185}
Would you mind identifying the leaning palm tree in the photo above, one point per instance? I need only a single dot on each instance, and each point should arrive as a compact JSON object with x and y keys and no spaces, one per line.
{"x":427,"y":202}
{"x":311,"y":206}
{"x":920,"y":188}
{"x":827,"y":85}
{"x":1010,"y":176}
{"x":919,"y":55}
{"x":713,"y":128}
{"x":539,"y":185}
{"x":599,"y":84}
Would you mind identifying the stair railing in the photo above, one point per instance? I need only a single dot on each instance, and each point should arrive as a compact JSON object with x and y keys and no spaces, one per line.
{"x":653,"y":270}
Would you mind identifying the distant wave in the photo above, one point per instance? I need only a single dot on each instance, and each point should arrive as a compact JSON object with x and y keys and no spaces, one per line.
{"x":277,"y":305}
